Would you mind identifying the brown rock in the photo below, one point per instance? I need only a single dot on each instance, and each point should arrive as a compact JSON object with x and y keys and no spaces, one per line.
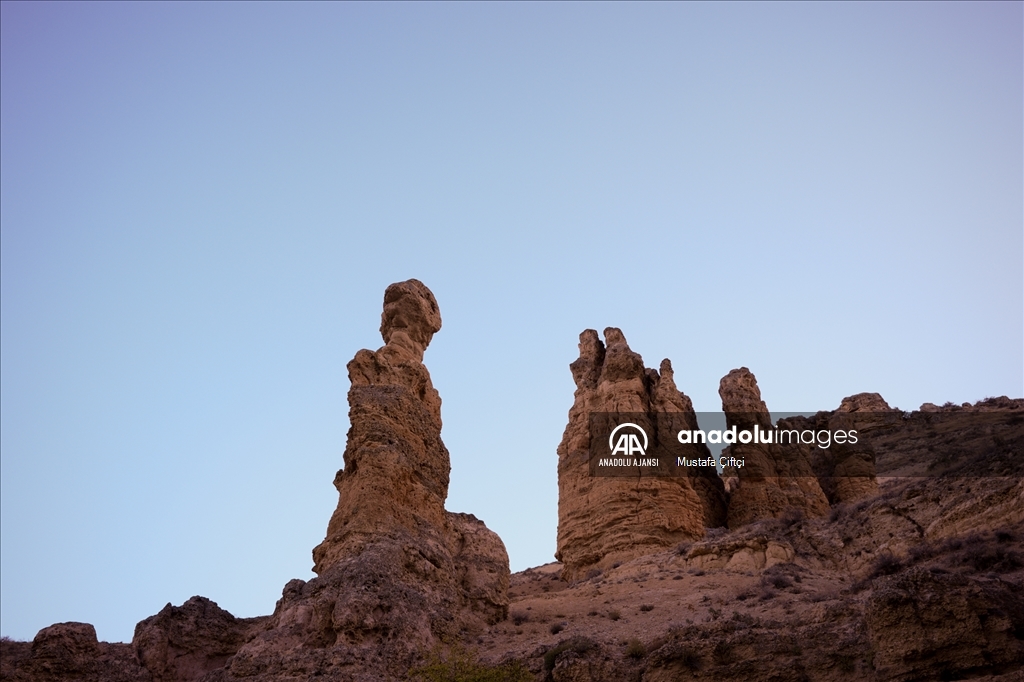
{"x":185,"y":642}
{"x":845,"y":470}
{"x":65,"y":649}
{"x":928,"y":625}
{"x":604,"y":520}
{"x":397,"y":573}
{"x":773,"y":480}
{"x":69,"y":651}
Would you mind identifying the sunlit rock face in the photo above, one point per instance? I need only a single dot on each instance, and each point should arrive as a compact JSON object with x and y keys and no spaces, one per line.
{"x":605,"y":520}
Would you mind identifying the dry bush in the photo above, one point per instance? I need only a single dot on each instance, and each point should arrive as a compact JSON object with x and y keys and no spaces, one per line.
{"x":635,"y":648}
{"x":885,"y":564}
{"x":578,"y":645}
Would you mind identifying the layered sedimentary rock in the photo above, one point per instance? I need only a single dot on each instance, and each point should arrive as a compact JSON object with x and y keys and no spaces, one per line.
{"x":396,"y":572}
{"x":603,"y":520}
{"x":773,"y":480}
{"x":846,"y":470}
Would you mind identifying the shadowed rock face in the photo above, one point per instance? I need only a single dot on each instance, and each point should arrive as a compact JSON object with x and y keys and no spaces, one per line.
{"x":603,"y":520}
{"x":773,"y":480}
{"x":185,"y":642}
{"x":846,"y":471}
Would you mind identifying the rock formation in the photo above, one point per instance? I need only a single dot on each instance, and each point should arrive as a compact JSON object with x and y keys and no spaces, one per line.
{"x":846,"y":471}
{"x":396,"y":572}
{"x":604,"y":520}
{"x":920,"y":578}
{"x":69,"y":651}
{"x":774,"y":480}
{"x":185,"y":642}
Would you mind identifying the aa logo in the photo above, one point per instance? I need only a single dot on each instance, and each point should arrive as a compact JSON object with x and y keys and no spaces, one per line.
{"x":628,"y":442}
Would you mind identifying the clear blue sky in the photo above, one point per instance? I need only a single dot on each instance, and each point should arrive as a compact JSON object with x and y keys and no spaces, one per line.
{"x":202,"y":205}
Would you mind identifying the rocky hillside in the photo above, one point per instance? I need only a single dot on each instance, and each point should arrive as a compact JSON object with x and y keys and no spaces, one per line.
{"x":899,"y":557}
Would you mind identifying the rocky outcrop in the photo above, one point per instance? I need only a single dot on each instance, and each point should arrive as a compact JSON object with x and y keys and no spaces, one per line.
{"x":944,"y":626}
{"x":186,"y":642}
{"x":604,"y":520}
{"x":397,"y":573}
{"x":773,"y":480}
{"x":69,"y":651}
{"x":846,"y":471}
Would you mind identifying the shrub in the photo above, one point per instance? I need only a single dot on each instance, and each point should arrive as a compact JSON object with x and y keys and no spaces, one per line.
{"x":722,"y":652}
{"x":556,"y":628}
{"x":579,"y":645}
{"x":646,"y":607}
{"x":614,"y":614}
{"x":778,"y":580}
{"x":461,"y":665}
{"x":683,"y":548}
{"x":885,"y":564}
{"x":635,"y":648}
{"x":518,"y":617}
{"x":685,"y":655}
{"x":791,"y":517}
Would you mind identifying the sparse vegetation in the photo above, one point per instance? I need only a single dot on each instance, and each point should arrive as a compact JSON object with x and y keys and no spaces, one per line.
{"x":885,"y":564}
{"x":683,"y":654}
{"x":578,"y":645}
{"x":722,"y":652}
{"x":777,"y":580}
{"x":635,"y":648}
{"x":461,"y":665}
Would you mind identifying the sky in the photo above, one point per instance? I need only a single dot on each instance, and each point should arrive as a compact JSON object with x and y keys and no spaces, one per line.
{"x":202,"y":204}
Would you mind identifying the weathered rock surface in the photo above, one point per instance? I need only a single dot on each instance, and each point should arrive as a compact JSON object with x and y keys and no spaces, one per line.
{"x":604,"y":520}
{"x":774,"y":480}
{"x":937,"y":625}
{"x":397,"y":573}
{"x":186,"y":642}
{"x":69,"y":651}
{"x":846,"y":471}
{"x":919,"y":578}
